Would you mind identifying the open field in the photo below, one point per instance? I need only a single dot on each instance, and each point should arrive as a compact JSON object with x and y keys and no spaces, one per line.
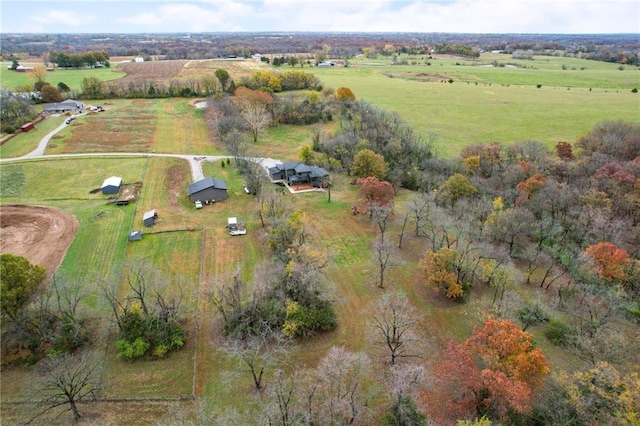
{"x":71,"y":77}
{"x":487,"y":104}
{"x":194,"y":250}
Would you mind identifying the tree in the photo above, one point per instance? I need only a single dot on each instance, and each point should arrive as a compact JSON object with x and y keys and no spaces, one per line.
{"x":19,"y":279}
{"x":494,"y":372}
{"x":367,"y":163}
{"x":224,"y":78}
{"x":602,"y":395}
{"x":67,"y":380}
{"x":257,"y":353}
{"x":39,"y":76}
{"x":564,"y":151}
{"x":375,"y":192}
{"x":393,"y":321}
{"x":14,"y":111}
{"x":253,"y":105}
{"x":92,"y":87}
{"x":440,"y":270}
{"x":63,"y":88}
{"x":608,"y":261}
{"x":382,"y":250}
{"x":344,"y":94}
{"x":457,"y":187}
{"x":50,"y":94}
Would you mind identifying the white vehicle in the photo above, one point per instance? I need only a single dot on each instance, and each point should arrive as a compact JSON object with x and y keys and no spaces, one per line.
{"x":198,"y":204}
{"x":235,"y":226}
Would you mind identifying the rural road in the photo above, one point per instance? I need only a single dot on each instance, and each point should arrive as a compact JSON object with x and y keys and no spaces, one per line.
{"x":194,"y":160}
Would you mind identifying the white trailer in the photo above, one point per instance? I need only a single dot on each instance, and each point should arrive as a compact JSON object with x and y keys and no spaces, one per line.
{"x":236,"y":227}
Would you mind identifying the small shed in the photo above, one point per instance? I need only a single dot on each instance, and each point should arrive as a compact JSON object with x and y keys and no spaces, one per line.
{"x":149,"y":218}
{"x":26,"y":127}
{"x":135,"y":235}
{"x":208,"y":190}
{"x":111,"y":185}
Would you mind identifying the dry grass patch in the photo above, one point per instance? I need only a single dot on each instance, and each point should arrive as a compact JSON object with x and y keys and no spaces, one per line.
{"x":154,"y":71}
{"x":237,"y":68}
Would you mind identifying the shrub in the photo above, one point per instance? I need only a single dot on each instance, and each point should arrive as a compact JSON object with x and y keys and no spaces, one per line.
{"x":557,"y":332}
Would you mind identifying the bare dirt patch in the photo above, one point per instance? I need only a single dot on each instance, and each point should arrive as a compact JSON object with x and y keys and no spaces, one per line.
{"x":38,"y":233}
{"x":175,"y":181}
{"x":156,"y":71}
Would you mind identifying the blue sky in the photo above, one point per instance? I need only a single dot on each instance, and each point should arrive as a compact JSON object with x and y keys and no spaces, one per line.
{"x":469,"y":16}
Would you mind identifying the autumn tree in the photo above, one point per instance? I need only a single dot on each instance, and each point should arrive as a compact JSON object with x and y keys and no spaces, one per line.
{"x":375,"y":192}
{"x":345,"y":94}
{"x":455,"y":188}
{"x":441,"y":270}
{"x":602,"y":395}
{"x":367,"y":163}
{"x":608,"y":261}
{"x":493,"y":372}
{"x":39,"y":77}
{"x":223,"y":78}
{"x":564,"y":151}
{"x":67,"y":380}
{"x":254,"y":106}
{"x":50,"y":94}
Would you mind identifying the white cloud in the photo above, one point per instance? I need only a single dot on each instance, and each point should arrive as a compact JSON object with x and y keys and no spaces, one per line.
{"x":62,"y":18}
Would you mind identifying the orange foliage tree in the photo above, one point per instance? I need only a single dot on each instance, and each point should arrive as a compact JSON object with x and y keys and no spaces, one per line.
{"x":376,"y":192}
{"x":608,"y":260}
{"x":493,"y":372}
{"x":529,"y":187}
{"x":345,"y":94}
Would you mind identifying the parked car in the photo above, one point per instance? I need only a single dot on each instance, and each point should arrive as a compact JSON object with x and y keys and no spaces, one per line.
{"x":198,"y":204}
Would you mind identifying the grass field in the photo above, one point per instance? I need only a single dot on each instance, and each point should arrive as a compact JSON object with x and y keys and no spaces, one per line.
{"x":489,"y":104}
{"x":71,"y":77}
{"x":193,"y":249}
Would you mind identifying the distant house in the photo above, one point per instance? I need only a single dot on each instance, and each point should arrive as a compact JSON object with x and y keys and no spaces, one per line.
{"x":208,"y":190}
{"x":327,"y":64}
{"x":20,"y":68}
{"x":294,"y":173}
{"x":138,"y":59}
{"x":65,"y":106}
{"x":149,"y":218}
{"x":111,"y":185}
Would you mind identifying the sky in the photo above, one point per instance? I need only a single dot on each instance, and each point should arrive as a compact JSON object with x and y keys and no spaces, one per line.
{"x":426,"y":16}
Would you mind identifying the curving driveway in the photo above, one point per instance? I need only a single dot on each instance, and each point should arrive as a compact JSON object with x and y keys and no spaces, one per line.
{"x":194,"y":160}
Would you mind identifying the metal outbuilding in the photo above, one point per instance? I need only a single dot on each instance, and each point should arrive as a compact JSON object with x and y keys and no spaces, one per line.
{"x":149,"y":218}
{"x":111,"y":185}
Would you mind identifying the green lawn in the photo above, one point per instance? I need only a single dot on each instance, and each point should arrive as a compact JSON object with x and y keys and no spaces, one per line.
{"x":71,"y":77}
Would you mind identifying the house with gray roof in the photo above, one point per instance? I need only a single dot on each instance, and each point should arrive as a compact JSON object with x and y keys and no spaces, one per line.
{"x":298,"y":173}
{"x":65,"y":106}
{"x":208,"y":190}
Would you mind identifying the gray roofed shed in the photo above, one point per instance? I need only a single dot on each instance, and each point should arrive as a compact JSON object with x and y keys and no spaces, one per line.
{"x":208,"y":189}
{"x":149,"y":218}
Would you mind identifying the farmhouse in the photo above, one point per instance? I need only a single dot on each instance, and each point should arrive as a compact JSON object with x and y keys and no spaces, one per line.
{"x":294,"y":173}
{"x":111,"y":185}
{"x":65,"y":106}
{"x":149,"y":218}
{"x":208,"y":190}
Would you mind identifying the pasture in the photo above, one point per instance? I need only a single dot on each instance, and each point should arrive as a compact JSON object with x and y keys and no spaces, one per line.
{"x":15,"y":81}
{"x":487,"y":104}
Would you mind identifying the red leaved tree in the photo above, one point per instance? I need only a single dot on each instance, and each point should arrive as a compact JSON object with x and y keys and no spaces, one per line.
{"x":376,"y":192}
{"x":494,"y":371}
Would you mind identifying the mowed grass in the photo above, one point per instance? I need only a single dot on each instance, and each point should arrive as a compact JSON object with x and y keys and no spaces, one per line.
{"x":24,"y":143}
{"x":504,"y":106}
{"x":71,"y":77}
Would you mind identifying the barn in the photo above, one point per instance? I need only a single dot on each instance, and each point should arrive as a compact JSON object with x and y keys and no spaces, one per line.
{"x":149,"y":218}
{"x":26,"y":127}
{"x":111,"y":185}
{"x":208,"y":190}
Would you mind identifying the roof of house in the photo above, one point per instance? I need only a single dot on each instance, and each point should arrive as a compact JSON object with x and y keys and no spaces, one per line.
{"x":112,"y":181}
{"x":206,"y":183}
{"x":318,"y":172}
{"x":149,"y":214}
{"x":68,"y":104}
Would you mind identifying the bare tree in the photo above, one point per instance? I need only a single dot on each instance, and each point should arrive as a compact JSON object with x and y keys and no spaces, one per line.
{"x":382,"y":251}
{"x":393,"y":320}
{"x":257,"y":117}
{"x":67,"y":380}
{"x":257,"y":353}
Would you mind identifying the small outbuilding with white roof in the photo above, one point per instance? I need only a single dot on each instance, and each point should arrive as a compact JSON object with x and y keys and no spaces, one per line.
{"x":111,"y":185}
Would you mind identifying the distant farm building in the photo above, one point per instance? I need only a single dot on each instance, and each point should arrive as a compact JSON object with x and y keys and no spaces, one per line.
{"x":149,"y":218}
{"x":138,"y":59}
{"x":111,"y":185}
{"x":66,"y":106}
{"x":26,"y":127}
{"x":20,"y":68}
{"x":294,"y":173}
{"x":208,"y":190}
{"x":327,"y":64}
